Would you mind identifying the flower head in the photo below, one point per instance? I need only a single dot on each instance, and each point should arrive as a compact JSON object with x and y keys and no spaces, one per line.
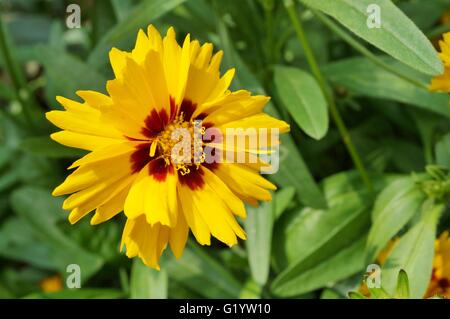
{"x":142,"y":160}
{"x":440,"y":280}
{"x":442,"y":82}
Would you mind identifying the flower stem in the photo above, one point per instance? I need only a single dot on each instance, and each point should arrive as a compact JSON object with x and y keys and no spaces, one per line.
{"x":363,"y":50}
{"x":20,"y":88}
{"x":345,"y":135}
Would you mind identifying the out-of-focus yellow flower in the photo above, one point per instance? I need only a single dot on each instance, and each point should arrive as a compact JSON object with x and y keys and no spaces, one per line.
{"x":442,"y":82}
{"x":51,"y":284}
{"x":159,"y":89}
{"x":440,"y":280}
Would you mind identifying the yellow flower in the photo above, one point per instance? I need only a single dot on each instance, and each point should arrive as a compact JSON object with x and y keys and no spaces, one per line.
{"x":440,"y":280}
{"x":442,"y":82}
{"x":51,"y":284}
{"x":160,"y":88}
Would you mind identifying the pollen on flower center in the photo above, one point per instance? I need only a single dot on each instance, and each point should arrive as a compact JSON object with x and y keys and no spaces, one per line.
{"x":180,"y":144}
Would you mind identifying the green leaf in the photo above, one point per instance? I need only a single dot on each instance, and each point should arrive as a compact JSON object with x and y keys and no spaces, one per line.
{"x":203,"y":274}
{"x":363,"y":78}
{"x":19,"y":242}
{"x":147,"y":283}
{"x":250,"y":290}
{"x":259,"y":225}
{"x":442,"y":151}
{"x":293,"y":170}
{"x":402,"y":285}
{"x":379,"y":293}
{"x":142,"y":15}
{"x":284,"y":197}
{"x":303,"y":98}
{"x":67,"y":74}
{"x":394,"y":207}
{"x":318,"y":273}
{"x":44,"y":146}
{"x":414,"y":253}
{"x":397,"y":36}
{"x":315,"y":238}
{"x":41,"y":211}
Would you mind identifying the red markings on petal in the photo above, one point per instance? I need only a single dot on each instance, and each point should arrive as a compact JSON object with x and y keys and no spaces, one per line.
{"x":194,"y":179}
{"x":140,"y":157}
{"x":155,"y":123}
{"x":158,"y":168}
{"x":188,"y":108}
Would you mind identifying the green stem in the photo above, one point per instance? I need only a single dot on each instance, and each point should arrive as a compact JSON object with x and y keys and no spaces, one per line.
{"x":20,"y":89}
{"x":363,"y":50}
{"x":345,"y":135}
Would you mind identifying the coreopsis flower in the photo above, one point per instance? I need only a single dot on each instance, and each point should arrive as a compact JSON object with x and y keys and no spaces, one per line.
{"x":440,"y":280}
{"x":134,"y":165}
{"x":442,"y":82}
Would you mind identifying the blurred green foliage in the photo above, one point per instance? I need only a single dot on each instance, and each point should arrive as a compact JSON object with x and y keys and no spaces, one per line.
{"x":324,"y":225}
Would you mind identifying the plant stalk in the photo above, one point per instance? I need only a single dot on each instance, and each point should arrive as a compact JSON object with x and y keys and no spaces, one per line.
{"x":345,"y":135}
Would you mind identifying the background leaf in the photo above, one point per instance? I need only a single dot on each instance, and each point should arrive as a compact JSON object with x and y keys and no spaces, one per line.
{"x":26,"y":202}
{"x":147,"y":283}
{"x":139,"y":17}
{"x":414,"y":253}
{"x":443,"y":151}
{"x":398,"y":36}
{"x":303,"y":98}
{"x":363,"y":78}
{"x":394,"y":207}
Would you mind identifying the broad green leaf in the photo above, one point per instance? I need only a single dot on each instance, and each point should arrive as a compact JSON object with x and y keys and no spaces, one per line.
{"x":343,"y":263}
{"x":41,"y":211}
{"x":292,"y":169}
{"x":44,"y":146}
{"x":141,"y":16}
{"x":282,"y":200}
{"x":443,"y":151}
{"x":397,"y":36}
{"x":314,"y":237}
{"x":203,"y":274}
{"x":147,"y":283}
{"x":122,"y":8}
{"x":363,"y":78}
{"x":394,"y":207}
{"x":67,"y":74}
{"x":414,"y":253}
{"x":18,"y":242}
{"x":303,"y":98}
{"x":251,"y":290}
{"x":259,"y":225}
